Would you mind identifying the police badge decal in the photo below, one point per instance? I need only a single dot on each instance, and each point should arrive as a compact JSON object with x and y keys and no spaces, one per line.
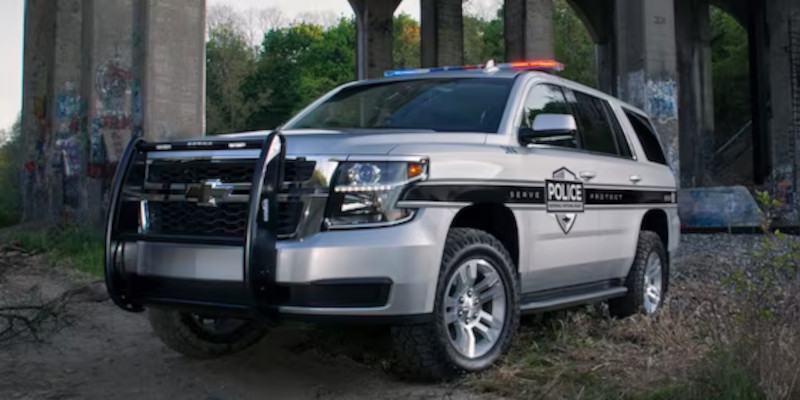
{"x":564,"y":197}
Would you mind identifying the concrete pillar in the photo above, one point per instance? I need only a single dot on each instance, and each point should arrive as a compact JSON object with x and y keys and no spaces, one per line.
{"x":96,"y":74}
{"x":606,"y":54}
{"x":647,"y":65}
{"x":696,"y":100}
{"x":442,"y":36}
{"x":174,"y":58}
{"x":529,"y":30}
{"x":781,"y":54}
{"x":374,"y":40}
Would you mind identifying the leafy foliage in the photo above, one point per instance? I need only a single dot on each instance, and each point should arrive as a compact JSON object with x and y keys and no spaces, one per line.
{"x":731,"y":72}
{"x":10,"y":161}
{"x":261,"y":88}
{"x":758,"y":346}
{"x":229,"y":61}
{"x":297,"y":65}
{"x":406,"y":42}
{"x":574,"y":46}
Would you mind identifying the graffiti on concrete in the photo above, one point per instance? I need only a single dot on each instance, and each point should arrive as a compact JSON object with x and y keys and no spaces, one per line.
{"x":781,"y":188}
{"x":68,"y":103}
{"x":111,"y":128}
{"x":718,"y":207}
{"x":662,"y":100}
{"x":69,"y":138}
{"x":111,"y":81}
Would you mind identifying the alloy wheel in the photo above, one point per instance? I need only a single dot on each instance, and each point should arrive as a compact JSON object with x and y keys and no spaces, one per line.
{"x":653,"y":288}
{"x":474,"y":308}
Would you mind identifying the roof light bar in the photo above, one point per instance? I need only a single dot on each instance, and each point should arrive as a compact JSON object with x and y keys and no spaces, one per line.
{"x":546,"y":65}
{"x":533,"y":65}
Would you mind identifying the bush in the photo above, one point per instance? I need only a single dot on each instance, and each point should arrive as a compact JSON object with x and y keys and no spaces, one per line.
{"x":757,"y":341}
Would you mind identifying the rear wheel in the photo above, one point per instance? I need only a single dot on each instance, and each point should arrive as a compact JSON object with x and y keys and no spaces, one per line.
{"x":476,"y":311}
{"x":647,"y":281}
{"x":199,"y":336}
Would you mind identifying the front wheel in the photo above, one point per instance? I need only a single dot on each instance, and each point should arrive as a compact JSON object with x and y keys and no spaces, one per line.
{"x":476,"y":311}
{"x":199,"y":336}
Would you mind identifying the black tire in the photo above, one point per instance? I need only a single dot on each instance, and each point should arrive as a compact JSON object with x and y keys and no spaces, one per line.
{"x":424,"y":352}
{"x":184,"y":333}
{"x":633,"y":302}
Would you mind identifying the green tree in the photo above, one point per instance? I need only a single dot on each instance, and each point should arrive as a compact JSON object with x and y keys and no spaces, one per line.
{"x":731,"y":74}
{"x":574,"y":46}
{"x":406,"y":42}
{"x":229,"y":62}
{"x":297,"y":65}
{"x":10,"y":169}
{"x":483,"y":40}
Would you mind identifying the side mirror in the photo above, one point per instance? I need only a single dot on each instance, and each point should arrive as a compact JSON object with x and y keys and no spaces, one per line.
{"x":549,"y":129}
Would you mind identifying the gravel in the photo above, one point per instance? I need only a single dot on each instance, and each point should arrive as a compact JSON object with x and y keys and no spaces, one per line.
{"x":712,"y":257}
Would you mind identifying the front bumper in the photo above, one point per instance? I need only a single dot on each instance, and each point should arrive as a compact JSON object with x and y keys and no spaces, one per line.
{"x":352,"y":274}
{"x":358,"y":273}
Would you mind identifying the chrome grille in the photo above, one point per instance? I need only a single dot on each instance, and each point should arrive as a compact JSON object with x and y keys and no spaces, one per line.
{"x":169,"y":213}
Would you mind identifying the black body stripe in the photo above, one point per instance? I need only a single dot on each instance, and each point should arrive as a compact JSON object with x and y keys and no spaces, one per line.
{"x":477,"y":194}
{"x":614,"y":197}
{"x":531,"y":195}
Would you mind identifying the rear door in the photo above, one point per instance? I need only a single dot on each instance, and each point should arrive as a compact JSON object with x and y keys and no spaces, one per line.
{"x":612,"y":184}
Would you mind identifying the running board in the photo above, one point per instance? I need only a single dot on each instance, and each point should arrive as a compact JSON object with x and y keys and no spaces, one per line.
{"x":575,"y":300}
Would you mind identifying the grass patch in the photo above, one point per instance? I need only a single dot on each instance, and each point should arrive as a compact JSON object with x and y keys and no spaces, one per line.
{"x":72,"y":246}
{"x":584,"y":354}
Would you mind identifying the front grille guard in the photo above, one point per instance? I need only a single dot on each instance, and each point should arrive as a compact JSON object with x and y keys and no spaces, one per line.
{"x":259,"y":241}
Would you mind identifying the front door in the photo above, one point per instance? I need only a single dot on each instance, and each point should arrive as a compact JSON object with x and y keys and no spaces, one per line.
{"x":571,"y":241}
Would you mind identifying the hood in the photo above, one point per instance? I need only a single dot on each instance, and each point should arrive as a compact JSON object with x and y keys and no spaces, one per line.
{"x":320,"y":142}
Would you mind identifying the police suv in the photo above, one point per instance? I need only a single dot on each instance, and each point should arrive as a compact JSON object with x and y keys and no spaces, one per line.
{"x":444,"y":202}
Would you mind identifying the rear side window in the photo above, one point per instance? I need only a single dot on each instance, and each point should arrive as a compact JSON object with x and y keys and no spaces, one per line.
{"x":619,"y":134}
{"x":596,"y":129}
{"x":647,"y":137}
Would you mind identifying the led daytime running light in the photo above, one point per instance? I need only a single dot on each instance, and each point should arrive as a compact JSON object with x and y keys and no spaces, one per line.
{"x":363,"y":188}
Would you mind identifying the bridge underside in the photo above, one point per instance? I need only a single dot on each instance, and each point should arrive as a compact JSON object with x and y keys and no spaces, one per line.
{"x":100,"y":72}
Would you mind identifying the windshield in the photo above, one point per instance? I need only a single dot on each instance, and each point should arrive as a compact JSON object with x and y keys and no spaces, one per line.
{"x":441,"y":105}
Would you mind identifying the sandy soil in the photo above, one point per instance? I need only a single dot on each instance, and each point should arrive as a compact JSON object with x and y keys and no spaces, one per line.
{"x":108,"y":352}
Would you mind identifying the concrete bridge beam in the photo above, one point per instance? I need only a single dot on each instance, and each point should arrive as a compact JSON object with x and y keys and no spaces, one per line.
{"x":96,"y":74}
{"x":777,"y":64}
{"x":646,"y":60}
{"x":442,"y":36}
{"x":696,"y":99}
{"x":374,"y":41}
{"x":529,"y":30}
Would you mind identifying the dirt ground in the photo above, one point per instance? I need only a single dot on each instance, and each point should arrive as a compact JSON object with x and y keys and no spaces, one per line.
{"x":575,"y":354}
{"x":107,"y":352}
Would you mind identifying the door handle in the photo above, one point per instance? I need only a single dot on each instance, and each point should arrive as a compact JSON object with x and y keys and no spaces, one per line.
{"x":587,"y":175}
{"x":635,"y":178}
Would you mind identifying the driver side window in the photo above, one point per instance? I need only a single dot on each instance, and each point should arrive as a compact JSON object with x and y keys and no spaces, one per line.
{"x":546,"y":99}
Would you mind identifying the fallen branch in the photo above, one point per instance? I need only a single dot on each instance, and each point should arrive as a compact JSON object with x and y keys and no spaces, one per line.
{"x":34,"y":320}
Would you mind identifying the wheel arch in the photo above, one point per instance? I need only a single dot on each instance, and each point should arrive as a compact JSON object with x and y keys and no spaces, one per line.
{"x":496,"y":219}
{"x":656,"y":220}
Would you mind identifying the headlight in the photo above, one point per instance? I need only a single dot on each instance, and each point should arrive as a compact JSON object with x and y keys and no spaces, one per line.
{"x":365,"y":193}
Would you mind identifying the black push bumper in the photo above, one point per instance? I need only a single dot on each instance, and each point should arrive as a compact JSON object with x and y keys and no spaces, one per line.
{"x":255,"y":294}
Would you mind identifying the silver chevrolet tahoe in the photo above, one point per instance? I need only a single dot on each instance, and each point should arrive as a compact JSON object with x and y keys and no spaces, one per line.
{"x":443,"y":202}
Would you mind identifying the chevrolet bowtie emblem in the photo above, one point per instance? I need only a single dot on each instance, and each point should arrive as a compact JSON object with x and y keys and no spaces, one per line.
{"x":208,"y":192}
